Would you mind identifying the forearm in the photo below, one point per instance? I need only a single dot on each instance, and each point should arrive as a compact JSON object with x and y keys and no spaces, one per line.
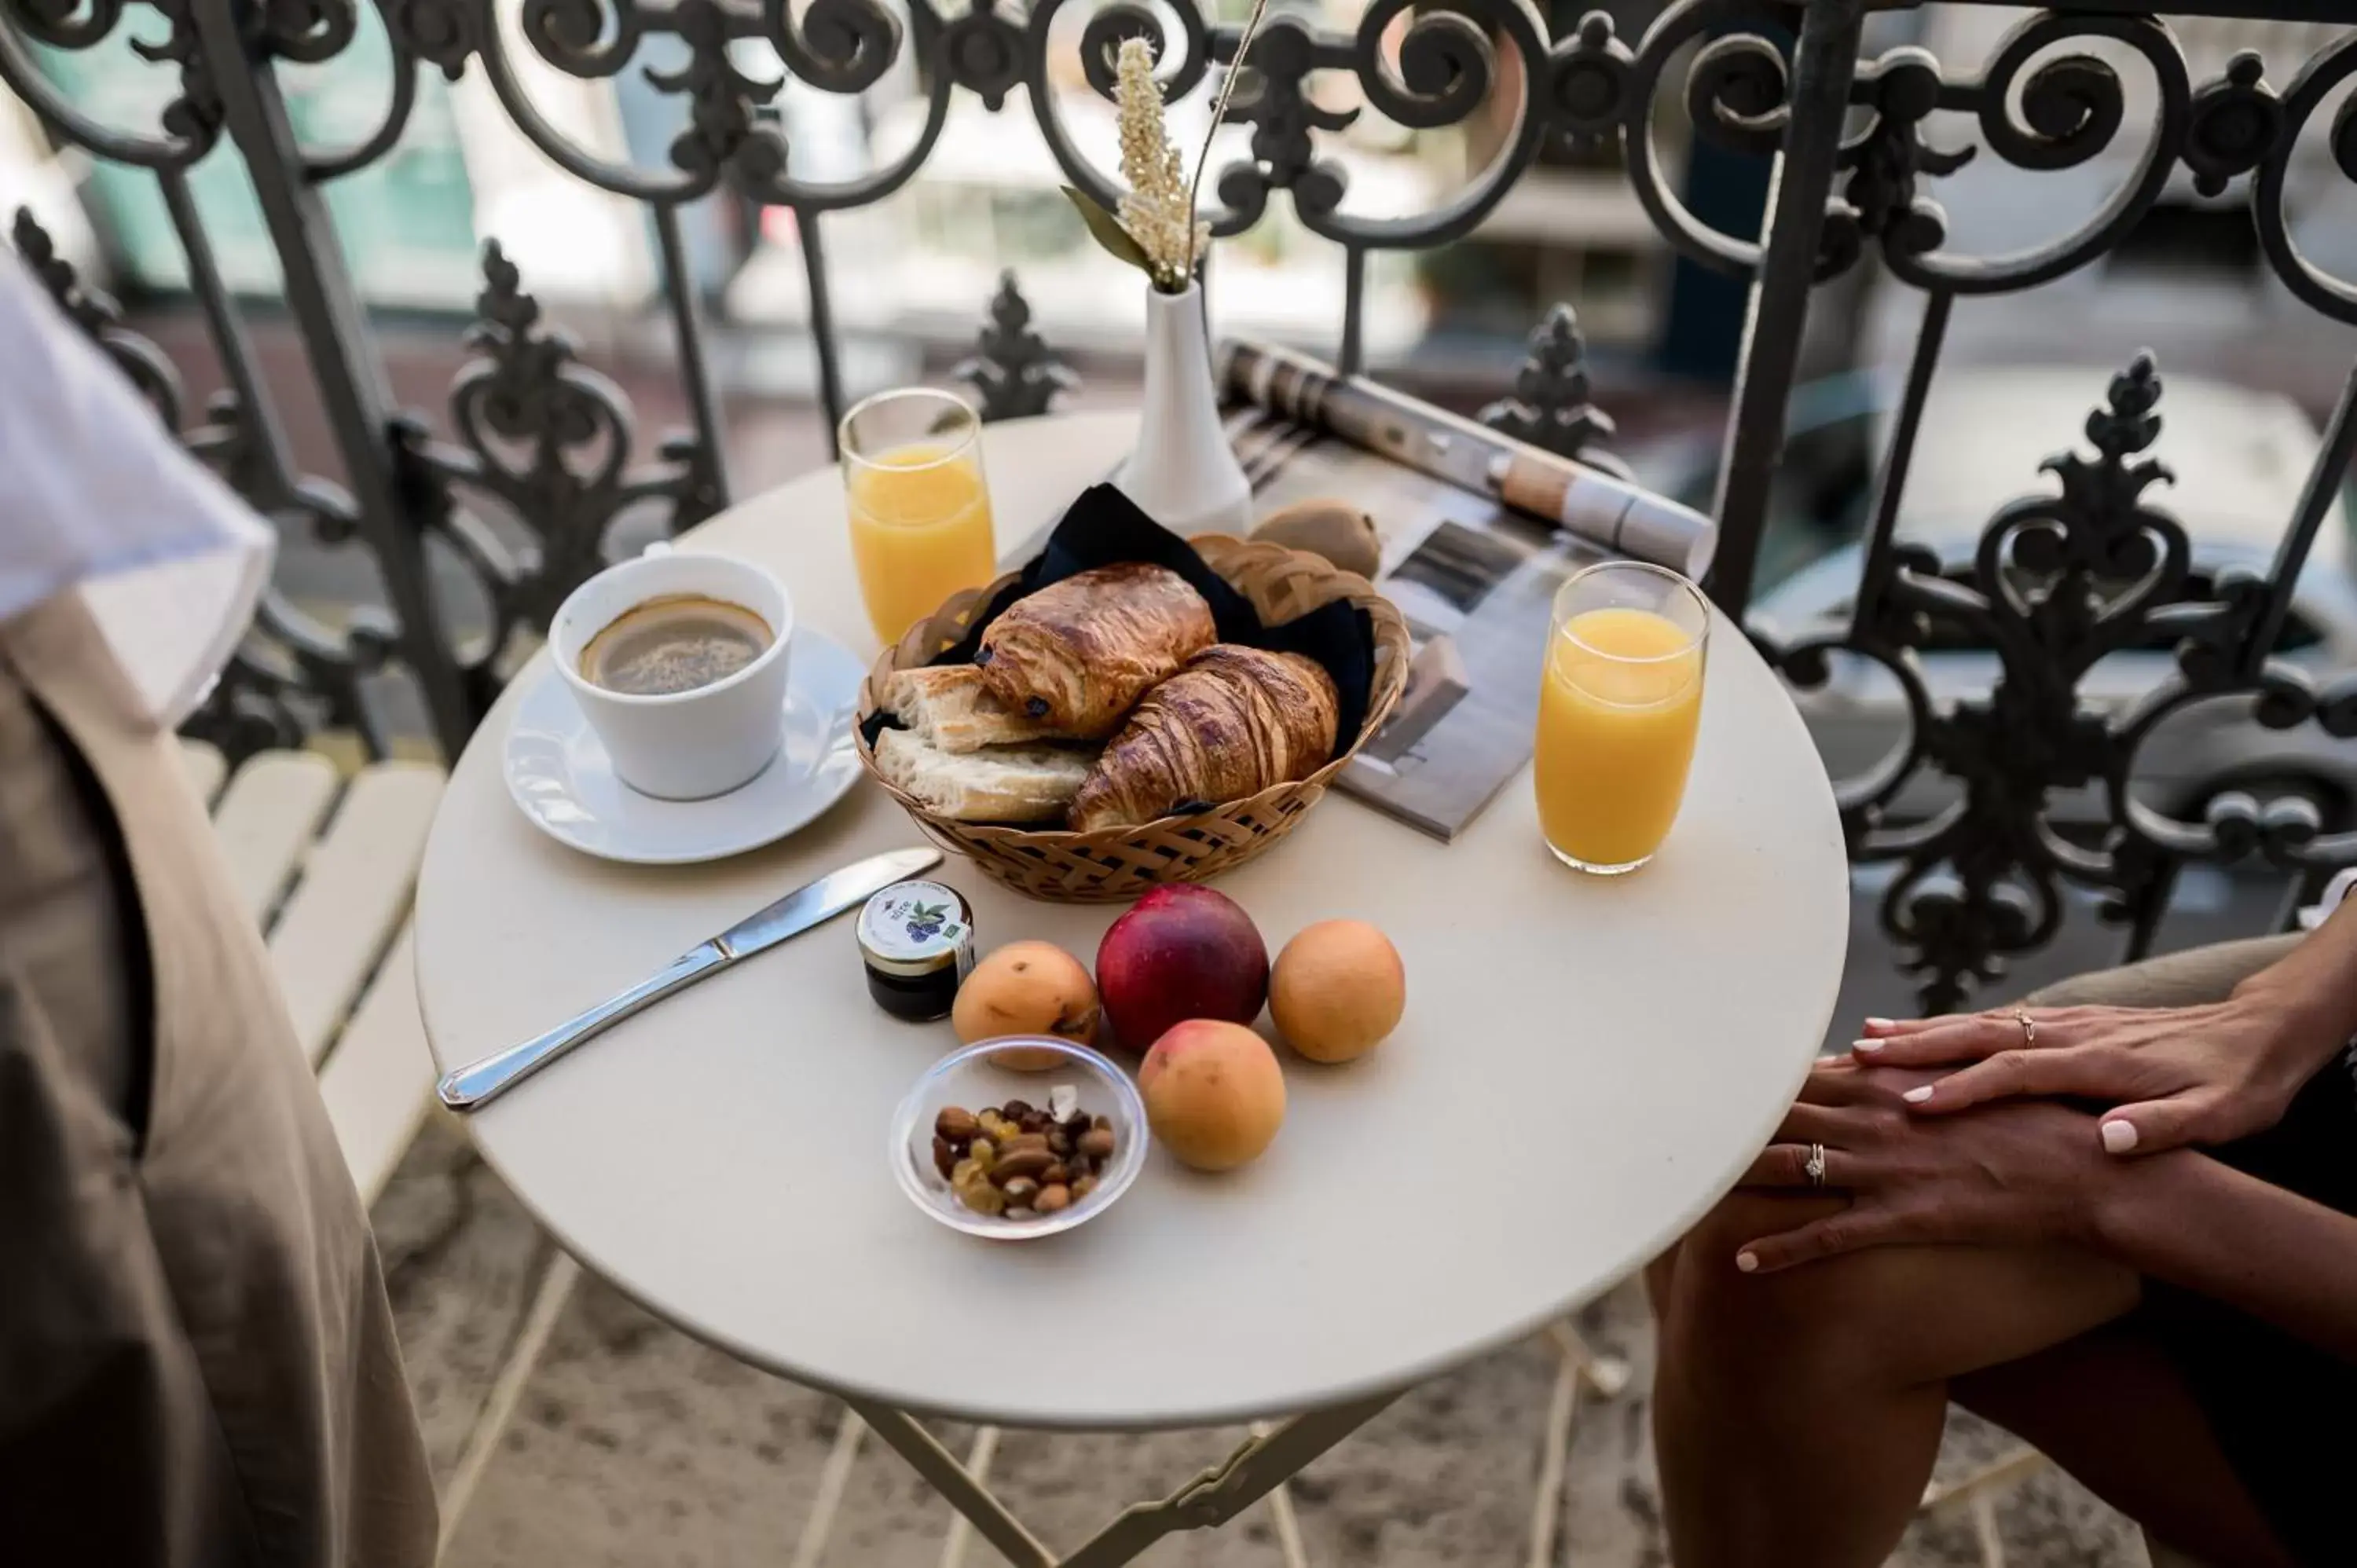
{"x":2188,"y":1220}
{"x":2313,"y":989}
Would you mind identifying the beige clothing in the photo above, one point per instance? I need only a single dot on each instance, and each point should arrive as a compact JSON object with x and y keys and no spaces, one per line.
{"x":2188,"y":979}
{"x":197,"y":1357}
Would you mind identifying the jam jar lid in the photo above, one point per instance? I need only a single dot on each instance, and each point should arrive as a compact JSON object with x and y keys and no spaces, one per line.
{"x":914,"y":929}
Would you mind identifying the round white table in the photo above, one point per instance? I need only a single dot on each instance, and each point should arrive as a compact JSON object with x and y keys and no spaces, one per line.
{"x":1585,"y":1066}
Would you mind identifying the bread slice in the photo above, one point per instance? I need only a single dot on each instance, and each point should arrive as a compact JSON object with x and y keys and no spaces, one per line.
{"x":949,"y":705}
{"x":1005,"y":784}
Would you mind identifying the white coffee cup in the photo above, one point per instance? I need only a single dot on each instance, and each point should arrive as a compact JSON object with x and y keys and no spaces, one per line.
{"x":681,"y":745}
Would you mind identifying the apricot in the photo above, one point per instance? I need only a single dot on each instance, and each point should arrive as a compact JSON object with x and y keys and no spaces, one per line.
{"x":1214,"y":1094}
{"x":1027,"y":988}
{"x":1338,"y":989}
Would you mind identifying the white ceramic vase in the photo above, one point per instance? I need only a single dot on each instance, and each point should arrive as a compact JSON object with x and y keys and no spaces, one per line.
{"x":1183,"y":474}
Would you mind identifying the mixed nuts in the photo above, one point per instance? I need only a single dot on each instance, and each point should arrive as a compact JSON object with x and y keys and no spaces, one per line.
{"x":1017,"y":1160}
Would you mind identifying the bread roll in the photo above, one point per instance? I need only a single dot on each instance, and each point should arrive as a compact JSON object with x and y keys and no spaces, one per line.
{"x":1235,"y":721}
{"x":1079,"y":654}
{"x":1336,"y":529}
{"x":948,"y":706}
{"x":1005,"y":784}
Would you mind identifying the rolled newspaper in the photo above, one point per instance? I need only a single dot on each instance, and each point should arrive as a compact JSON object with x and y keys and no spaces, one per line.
{"x":1600,"y":507}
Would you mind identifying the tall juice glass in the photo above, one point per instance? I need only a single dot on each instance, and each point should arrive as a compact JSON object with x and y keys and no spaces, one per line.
{"x":1619,"y":705}
{"x":920,"y":508}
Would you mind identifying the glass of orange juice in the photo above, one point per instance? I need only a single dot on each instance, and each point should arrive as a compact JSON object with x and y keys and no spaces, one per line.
{"x":1618,"y":704}
{"x":920,"y":508}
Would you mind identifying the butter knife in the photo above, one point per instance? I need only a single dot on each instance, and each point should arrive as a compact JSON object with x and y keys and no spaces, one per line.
{"x":479,"y":1083}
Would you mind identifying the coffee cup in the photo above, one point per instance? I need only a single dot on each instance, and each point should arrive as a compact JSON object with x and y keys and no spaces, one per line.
{"x":693,"y":718}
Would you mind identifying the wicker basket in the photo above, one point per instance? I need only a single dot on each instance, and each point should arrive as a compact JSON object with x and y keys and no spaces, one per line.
{"x":1115,"y":864}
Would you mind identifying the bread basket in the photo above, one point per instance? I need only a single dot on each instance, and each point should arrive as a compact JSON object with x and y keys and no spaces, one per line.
{"x":1115,"y":864}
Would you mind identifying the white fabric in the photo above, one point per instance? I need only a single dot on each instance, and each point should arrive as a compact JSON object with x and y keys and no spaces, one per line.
{"x":97,"y":497}
{"x":2341,"y":885}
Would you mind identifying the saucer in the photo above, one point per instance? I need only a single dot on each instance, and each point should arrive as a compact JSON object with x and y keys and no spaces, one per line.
{"x":560,"y":778}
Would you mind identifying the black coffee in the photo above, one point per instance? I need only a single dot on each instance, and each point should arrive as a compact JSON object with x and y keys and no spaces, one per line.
{"x":673,"y":644}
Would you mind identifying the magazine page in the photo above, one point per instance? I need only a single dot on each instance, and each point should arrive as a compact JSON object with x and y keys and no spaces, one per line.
{"x":1475,"y":582}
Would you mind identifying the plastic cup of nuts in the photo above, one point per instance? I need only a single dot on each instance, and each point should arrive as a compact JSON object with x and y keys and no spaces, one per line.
{"x":1013,"y":1155}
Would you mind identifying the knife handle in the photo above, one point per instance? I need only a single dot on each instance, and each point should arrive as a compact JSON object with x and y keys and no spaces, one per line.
{"x":479,"y":1083}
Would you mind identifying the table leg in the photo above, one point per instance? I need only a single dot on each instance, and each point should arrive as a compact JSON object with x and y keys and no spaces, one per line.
{"x":1262,"y":1464}
{"x":1280,"y":1513}
{"x":1219,"y":1495}
{"x":977,"y":1465}
{"x":955,"y":1483}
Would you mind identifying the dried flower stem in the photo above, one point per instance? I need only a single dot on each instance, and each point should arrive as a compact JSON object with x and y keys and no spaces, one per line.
{"x":1219,"y":104}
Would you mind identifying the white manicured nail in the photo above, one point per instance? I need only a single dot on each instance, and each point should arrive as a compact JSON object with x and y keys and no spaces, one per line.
{"x":1870,"y":1046}
{"x":1878,"y":1024}
{"x":2119,"y":1137}
{"x":1917,"y":1096}
{"x":1747,"y":1262}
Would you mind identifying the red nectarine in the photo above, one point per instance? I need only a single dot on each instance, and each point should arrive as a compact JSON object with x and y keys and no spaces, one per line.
{"x":1181,"y":951}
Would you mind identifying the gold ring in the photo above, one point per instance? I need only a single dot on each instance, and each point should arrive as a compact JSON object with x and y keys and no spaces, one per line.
{"x":2029,"y":1026}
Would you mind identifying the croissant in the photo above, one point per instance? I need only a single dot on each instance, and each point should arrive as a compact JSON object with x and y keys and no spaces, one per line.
{"x":1235,"y":721}
{"x":1078,"y":654}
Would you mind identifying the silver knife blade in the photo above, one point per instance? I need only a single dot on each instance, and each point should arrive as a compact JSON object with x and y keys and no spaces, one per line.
{"x":477,"y":1084}
{"x":814,"y":902}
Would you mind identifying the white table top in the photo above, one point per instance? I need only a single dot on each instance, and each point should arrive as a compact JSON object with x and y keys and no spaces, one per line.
{"x":1584,"y":1066}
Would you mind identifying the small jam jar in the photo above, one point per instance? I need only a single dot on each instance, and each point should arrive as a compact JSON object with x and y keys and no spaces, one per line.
{"x":916,"y":942}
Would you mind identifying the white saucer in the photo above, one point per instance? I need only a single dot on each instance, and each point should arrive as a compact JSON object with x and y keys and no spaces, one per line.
{"x":559,"y":776}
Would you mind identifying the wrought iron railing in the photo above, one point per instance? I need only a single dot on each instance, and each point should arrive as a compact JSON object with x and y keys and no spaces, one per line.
{"x":2055,"y":584}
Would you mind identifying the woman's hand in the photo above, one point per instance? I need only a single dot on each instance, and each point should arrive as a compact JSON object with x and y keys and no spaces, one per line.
{"x":2174,"y":1075}
{"x":2017,"y":1175}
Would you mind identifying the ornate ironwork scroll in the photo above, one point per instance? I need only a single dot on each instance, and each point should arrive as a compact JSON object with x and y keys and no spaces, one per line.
{"x":1014,"y":373}
{"x":1551,"y":405}
{"x":544,"y":442}
{"x":2057,"y":583}
{"x":95,"y":312}
{"x":1423,"y":68}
